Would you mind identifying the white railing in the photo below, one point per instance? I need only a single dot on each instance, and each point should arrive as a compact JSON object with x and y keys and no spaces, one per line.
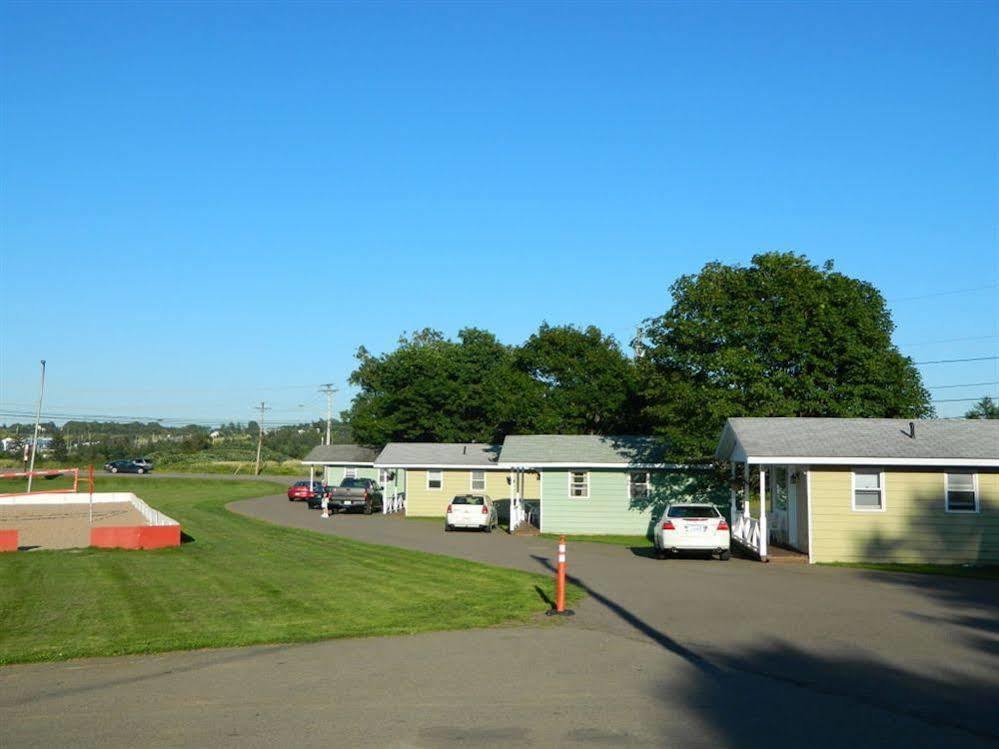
{"x":516,"y":514}
{"x":747,"y":531}
{"x":394,"y":503}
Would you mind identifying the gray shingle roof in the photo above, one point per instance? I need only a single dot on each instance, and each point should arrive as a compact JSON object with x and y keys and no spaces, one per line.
{"x":581,"y":450}
{"x":887,"y":439}
{"x":348,"y":454}
{"x":417,"y":454}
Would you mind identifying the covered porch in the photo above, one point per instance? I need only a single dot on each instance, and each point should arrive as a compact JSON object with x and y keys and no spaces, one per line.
{"x":769,"y":509}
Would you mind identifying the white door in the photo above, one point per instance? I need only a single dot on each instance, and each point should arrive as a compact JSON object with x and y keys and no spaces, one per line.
{"x":792,"y":505}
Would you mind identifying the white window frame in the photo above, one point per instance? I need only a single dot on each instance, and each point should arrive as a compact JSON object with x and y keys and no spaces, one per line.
{"x":647,"y":484}
{"x":383,"y":477}
{"x":586,"y":476}
{"x":471,"y":481}
{"x":978,"y":499}
{"x":440,"y":474}
{"x":882,"y":486}
{"x":350,"y":473}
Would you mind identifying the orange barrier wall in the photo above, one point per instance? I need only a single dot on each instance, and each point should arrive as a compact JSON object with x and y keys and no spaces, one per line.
{"x":8,"y":540}
{"x":136,"y":537}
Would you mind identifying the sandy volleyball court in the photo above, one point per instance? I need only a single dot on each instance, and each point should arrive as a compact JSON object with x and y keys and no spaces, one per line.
{"x":65,"y":526}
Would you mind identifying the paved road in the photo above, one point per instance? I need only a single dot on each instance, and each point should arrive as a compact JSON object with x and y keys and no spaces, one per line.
{"x":680,"y":653}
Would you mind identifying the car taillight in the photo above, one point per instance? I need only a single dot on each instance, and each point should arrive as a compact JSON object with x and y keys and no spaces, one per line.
{"x":448,"y":510}
{"x":485,"y":510}
{"x":722,"y":525}
{"x":668,"y":526}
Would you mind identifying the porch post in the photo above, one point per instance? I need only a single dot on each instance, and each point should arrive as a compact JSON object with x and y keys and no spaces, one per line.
{"x":312,"y":476}
{"x":513,"y":499}
{"x":745,"y":490}
{"x":731,"y":497}
{"x":763,"y":513}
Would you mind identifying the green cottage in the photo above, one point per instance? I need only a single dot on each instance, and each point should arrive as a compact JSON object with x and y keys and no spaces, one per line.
{"x":337,"y":462}
{"x":599,"y":485}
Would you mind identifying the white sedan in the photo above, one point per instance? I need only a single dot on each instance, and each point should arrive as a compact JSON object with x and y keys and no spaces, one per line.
{"x":471,"y":511}
{"x":692,"y":527}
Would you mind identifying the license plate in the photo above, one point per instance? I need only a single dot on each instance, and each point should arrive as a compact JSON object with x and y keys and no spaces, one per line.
{"x":346,"y":501}
{"x":696,"y":528}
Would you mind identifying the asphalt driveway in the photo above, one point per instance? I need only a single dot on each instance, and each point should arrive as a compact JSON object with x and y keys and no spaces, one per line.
{"x":677,"y":653}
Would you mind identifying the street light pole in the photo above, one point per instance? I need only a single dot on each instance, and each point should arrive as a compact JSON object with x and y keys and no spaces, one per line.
{"x":38,"y":418}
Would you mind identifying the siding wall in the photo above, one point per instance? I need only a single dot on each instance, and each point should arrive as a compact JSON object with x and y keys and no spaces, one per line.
{"x":609,"y":509}
{"x":913,"y":527}
{"x":333,"y":475}
{"x":424,"y":502}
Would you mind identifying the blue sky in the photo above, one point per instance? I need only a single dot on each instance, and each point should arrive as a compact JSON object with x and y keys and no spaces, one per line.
{"x":208,"y":205}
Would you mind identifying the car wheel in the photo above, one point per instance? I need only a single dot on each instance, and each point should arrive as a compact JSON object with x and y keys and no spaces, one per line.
{"x":140,"y":470}
{"x":367,"y":509}
{"x":447,"y":528}
{"x":489,"y":527}
{"x":725,"y":555}
{"x":114,"y":469}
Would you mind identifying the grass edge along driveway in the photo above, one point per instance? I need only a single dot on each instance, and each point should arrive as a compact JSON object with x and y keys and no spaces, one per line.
{"x":241,"y":582}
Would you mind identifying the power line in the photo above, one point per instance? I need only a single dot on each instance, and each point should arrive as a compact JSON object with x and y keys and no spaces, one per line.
{"x":955,"y":361}
{"x":961,"y":385}
{"x":944,"y":293}
{"x":949,"y":340}
{"x":956,"y":400}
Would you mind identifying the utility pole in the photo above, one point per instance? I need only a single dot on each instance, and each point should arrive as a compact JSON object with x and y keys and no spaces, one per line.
{"x":38,"y":417}
{"x":329,"y":390}
{"x":260,"y":438}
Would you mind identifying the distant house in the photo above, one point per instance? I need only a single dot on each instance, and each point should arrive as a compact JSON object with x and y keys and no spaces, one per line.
{"x":8,"y":444}
{"x":337,"y":462}
{"x":436,"y":472}
{"x":598,"y":485}
{"x":866,"y":490}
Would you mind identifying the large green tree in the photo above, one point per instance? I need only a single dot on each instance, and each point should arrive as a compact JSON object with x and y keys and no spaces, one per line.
{"x":431,"y":388}
{"x":986,"y":408}
{"x":585,"y":384}
{"x":781,"y":337}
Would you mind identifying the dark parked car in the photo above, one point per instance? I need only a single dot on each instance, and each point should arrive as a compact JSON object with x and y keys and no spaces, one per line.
{"x":128,"y":465}
{"x":354,"y":495}
{"x":303,"y":490}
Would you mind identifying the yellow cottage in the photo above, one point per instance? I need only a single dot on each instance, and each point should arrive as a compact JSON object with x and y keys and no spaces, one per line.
{"x":866,"y":490}
{"x":438,"y":471}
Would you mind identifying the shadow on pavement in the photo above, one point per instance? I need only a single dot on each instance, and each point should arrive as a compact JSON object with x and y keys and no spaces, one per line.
{"x":779,"y":687}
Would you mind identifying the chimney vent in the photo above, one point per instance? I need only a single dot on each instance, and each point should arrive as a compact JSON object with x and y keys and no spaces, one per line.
{"x":912,"y":430}
{"x":464,"y":449}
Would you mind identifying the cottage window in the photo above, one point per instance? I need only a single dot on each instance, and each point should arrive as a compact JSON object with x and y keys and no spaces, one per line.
{"x":478,"y":481}
{"x":350,"y":473}
{"x":435,"y":479}
{"x":579,"y":484}
{"x":638,"y":486}
{"x":962,"y":492}
{"x":868,"y":490}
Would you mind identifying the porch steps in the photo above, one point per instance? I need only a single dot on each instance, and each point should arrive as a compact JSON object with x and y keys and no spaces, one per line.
{"x":782,"y":555}
{"x":526,"y":529}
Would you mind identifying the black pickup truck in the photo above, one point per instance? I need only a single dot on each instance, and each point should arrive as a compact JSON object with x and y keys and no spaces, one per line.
{"x":353,"y":495}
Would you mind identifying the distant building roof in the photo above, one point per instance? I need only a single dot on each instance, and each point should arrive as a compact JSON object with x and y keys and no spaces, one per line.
{"x":581,"y":450}
{"x":861,"y":441}
{"x":342,"y":455}
{"x":439,"y":455}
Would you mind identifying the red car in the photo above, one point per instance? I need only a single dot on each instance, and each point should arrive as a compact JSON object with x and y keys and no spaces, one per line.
{"x":305,"y":490}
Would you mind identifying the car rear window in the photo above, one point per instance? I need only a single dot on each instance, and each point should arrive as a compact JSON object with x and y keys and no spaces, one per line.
{"x":301,"y":483}
{"x":477,"y":501}
{"x":700,"y":511}
{"x":354,"y":484}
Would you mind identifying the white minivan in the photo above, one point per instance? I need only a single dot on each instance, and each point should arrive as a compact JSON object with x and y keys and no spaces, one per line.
{"x":692,"y":527}
{"x":471,"y":511}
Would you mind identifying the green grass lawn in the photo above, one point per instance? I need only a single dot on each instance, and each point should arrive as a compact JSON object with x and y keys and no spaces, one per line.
{"x":987,"y":572}
{"x":608,"y":539}
{"x":238,"y":582}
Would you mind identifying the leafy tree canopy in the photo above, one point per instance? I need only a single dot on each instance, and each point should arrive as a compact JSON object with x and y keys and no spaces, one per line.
{"x":781,"y":337}
{"x":986,"y":408}
{"x":432,"y":389}
{"x":584,"y":383}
